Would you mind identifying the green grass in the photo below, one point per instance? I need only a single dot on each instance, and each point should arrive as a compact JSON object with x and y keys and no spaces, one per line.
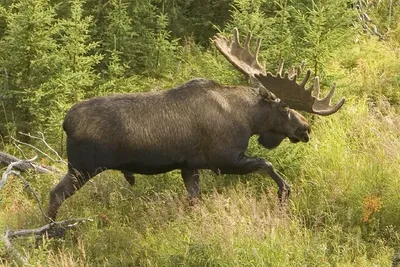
{"x":343,"y":210}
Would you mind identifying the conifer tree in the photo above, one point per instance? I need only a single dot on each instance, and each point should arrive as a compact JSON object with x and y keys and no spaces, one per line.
{"x":117,"y":39}
{"x":322,"y":26}
{"x":28,"y":58}
{"x":296,"y":30}
{"x":76,"y":78}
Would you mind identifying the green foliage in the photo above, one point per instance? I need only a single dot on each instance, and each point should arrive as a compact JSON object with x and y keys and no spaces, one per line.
{"x":195,"y":19}
{"x":46,"y":64}
{"x":385,"y":16}
{"x":134,"y":39}
{"x":321,"y":28}
{"x":343,"y":209}
{"x":76,"y":76}
{"x":27,"y":59}
{"x":297,"y":31}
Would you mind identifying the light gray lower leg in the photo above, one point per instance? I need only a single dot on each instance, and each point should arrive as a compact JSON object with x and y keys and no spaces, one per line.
{"x":64,"y":189}
{"x":284,"y":187}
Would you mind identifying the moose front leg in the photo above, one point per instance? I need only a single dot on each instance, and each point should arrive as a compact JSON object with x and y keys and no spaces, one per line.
{"x":245,"y":165}
{"x":284,"y":187}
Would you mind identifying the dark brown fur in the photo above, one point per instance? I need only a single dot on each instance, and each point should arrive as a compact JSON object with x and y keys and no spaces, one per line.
{"x":198,"y":125}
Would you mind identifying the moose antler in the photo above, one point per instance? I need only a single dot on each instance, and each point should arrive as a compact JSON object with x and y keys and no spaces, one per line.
{"x":239,"y":56}
{"x":283,"y":86}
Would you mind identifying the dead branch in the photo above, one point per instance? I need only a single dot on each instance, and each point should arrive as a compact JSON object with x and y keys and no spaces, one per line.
{"x":50,"y":230}
{"x":23,"y":165}
{"x":43,"y":140}
{"x":367,"y":23}
{"x":10,"y":170}
{"x":39,"y":232}
{"x":11,"y":250}
{"x":28,"y":185}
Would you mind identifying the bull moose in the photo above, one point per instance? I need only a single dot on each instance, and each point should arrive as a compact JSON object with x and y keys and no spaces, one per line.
{"x":198,"y":125}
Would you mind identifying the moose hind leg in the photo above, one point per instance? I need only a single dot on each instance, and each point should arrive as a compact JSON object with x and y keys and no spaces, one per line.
{"x":191,"y":178}
{"x":129,"y":177}
{"x":64,"y":189}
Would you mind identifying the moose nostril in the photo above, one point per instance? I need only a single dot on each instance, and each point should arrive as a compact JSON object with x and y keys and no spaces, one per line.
{"x":306,"y":138}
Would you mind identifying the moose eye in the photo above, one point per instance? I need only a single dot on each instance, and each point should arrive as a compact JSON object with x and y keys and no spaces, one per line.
{"x":287,"y":110}
{"x":283,"y":105}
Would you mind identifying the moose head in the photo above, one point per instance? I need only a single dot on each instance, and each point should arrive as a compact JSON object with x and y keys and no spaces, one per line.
{"x":281,"y":85}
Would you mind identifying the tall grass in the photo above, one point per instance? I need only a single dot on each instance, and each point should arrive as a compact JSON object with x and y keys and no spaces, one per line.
{"x":343,"y":209}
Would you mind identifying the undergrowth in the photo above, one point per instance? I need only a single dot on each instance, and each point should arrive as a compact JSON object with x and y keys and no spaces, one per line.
{"x":342,"y":210}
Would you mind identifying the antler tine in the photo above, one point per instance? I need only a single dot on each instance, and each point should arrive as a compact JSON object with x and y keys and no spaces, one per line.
{"x":303,"y":63}
{"x":297,"y":96}
{"x":316,"y":87}
{"x":248,"y":39}
{"x":280,"y":67}
{"x":240,"y":56}
{"x":300,"y":68}
{"x":306,"y":78}
{"x":292,"y":72}
{"x":258,"y":45}
{"x":327,"y":98}
{"x":236,"y":36}
{"x":323,"y":105}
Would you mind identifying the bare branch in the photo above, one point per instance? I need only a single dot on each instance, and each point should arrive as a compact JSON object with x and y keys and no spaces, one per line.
{"x":11,"y":250}
{"x":367,"y":23}
{"x":52,"y":229}
{"x":37,"y":149}
{"x":10,"y":170}
{"x":42,"y":138}
{"x":38,"y":232}
{"x":20,"y":150}
{"x":28,"y":185}
{"x":22,"y":165}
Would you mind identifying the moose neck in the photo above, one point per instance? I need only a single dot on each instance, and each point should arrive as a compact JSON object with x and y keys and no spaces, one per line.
{"x":247,"y":106}
{"x":264,"y":117}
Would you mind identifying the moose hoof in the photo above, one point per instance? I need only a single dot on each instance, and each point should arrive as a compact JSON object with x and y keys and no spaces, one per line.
{"x":56,"y":231}
{"x":194,"y":200}
{"x":130,"y":178}
{"x":283,"y":194}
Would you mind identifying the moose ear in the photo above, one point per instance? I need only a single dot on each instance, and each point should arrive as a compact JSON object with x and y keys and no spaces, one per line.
{"x":265,"y":94}
{"x":283,"y":105}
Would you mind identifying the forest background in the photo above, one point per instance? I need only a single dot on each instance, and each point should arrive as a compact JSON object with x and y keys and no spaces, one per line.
{"x":344,"y":207}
